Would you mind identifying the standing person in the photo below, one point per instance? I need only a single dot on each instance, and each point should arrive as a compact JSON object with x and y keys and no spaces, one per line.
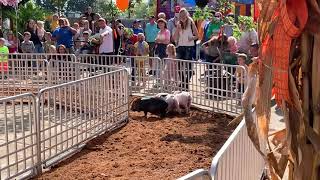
{"x":64,"y":35}
{"x":90,"y":16}
{"x":213,"y":27}
{"x":55,"y":22}
{"x":141,"y":48}
{"x":106,"y":40}
{"x":40,"y":30}
{"x":3,"y":59}
{"x":248,"y":37}
{"x":27,"y":46}
{"x":241,"y":72}
{"x":33,"y":30}
{"x":172,"y":23}
{"x":186,"y":34}
{"x":136,"y":27}
{"x":118,"y":29}
{"x":12,"y":43}
{"x":48,"y":42}
{"x":85,"y":28}
{"x":171,"y":66}
{"x":151,"y":33}
{"x":162,"y":39}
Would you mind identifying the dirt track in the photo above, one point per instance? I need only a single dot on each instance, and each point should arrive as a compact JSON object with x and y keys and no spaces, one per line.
{"x":149,"y":149}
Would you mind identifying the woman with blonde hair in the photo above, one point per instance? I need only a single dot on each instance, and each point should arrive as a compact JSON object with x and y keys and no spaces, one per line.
{"x":186,"y":35}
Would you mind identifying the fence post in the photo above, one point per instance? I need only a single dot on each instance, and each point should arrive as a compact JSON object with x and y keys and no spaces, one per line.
{"x":38,"y":133}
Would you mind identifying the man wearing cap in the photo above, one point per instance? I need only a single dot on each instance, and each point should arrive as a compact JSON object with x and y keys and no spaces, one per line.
{"x":136,"y":28}
{"x":151,"y":34}
{"x":173,"y":21}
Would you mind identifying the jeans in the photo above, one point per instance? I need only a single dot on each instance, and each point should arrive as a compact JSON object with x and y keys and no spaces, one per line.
{"x":38,"y":48}
{"x":185,"y":68}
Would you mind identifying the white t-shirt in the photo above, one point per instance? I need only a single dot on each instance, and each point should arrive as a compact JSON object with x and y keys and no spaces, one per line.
{"x":107,"y":43}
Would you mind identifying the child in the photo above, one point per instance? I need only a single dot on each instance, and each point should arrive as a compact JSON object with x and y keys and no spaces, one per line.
{"x":12,"y":43}
{"x":141,"y":49}
{"x":241,"y":72}
{"x":27,"y":46}
{"x":86,"y":47}
{"x":3,"y":59}
{"x":40,"y":30}
{"x":171,"y":65}
{"x":48,"y":42}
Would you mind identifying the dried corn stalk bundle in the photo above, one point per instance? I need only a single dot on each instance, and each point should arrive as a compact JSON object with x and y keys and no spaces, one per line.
{"x":280,"y":25}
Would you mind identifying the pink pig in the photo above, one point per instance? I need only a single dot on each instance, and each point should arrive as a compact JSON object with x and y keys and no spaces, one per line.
{"x":184,"y":99}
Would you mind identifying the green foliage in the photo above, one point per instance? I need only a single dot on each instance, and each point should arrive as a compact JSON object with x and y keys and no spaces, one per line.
{"x":236,"y":30}
{"x":108,"y":10}
{"x":224,"y":5}
{"x":53,"y":5}
{"x":201,"y":13}
{"x":142,"y":10}
{"x":25,"y":12}
{"x":247,"y":23}
{"x":79,"y":5}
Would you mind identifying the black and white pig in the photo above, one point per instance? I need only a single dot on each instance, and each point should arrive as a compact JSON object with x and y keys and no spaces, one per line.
{"x":153,"y":105}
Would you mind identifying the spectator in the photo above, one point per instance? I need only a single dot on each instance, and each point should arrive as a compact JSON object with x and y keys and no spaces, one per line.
{"x":55,"y":22}
{"x":86,"y":28}
{"x":95,"y":24}
{"x":241,"y":72}
{"x":186,"y":34}
{"x":118,"y":29}
{"x":254,"y":50}
{"x":48,"y":42}
{"x":171,"y":66}
{"x":172,"y":23}
{"x":33,"y":30}
{"x":77,"y":47}
{"x":213,"y":27}
{"x":136,"y":28}
{"x":52,"y":49}
{"x":129,"y":40}
{"x":86,"y":46}
{"x":106,"y":38}
{"x":141,"y":49}
{"x":27,"y":46}
{"x":12,"y":43}
{"x":3,"y":59}
{"x":90,"y":16}
{"x":162,"y":39}
{"x":232,"y":44}
{"x":151,"y":34}
{"x":248,"y":37}
{"x":161,"y":15}
{"x":40,"y":30}
{"x":64,"y":35}
{"x":62,"y":49}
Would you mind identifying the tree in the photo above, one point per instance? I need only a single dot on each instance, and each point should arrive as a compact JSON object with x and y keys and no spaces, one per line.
{"x":79,"y":5}
{"x":53,"y":5}
{"x":108,"y":10}
{"x":25,"y":12}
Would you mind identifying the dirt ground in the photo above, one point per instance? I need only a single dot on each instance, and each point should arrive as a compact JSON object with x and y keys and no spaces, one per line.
{"x":149,"y":149}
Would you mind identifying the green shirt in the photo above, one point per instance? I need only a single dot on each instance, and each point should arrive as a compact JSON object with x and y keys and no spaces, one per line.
{"x":213,"y":29}
{"x":4,"y":50}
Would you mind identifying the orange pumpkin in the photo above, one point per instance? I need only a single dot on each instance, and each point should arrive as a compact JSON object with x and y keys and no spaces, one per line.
{"x":122,"y":4}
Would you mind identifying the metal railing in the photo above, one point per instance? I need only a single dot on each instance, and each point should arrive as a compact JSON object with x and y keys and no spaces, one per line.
{"x":144,"y":71}
{"x":238,"y":158}
{"x":39,"y":131}
{"x":217,"y":86}
{"x":73,"y":113}
{"x":18,"y":144}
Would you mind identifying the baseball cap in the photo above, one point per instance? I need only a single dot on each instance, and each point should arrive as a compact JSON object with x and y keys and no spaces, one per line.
{"x":177,"y":9}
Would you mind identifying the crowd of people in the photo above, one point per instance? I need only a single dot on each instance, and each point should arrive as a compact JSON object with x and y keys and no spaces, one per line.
{"x":175,"y":38}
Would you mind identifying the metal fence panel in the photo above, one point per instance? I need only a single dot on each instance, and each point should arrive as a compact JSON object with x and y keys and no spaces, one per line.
{"x":72,"y":113}
{"x":26,"y":72}
{"x":218,"y":86}
{"x":238,"y":158}
{"x":18,"y":137}
{"x":145,"y":72}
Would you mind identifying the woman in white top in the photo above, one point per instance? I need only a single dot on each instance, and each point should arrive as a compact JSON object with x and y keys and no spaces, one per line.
{"x":185,"y":35}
